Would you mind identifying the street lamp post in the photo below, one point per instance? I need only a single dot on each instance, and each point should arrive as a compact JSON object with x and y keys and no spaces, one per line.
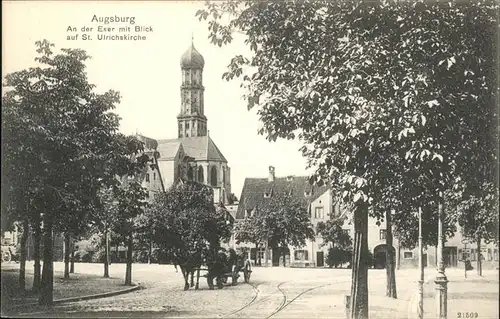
{"x":420,"y":267}
{"x":441,"y":280}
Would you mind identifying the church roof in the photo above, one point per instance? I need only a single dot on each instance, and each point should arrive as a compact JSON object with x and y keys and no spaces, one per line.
{"x":192,"y":59}
{"x":201,"y":148}
{"x":168,"y":149}
{"x":254,"y":189}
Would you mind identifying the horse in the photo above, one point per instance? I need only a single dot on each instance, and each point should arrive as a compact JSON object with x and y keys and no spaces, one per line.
{"x":188,"y":262}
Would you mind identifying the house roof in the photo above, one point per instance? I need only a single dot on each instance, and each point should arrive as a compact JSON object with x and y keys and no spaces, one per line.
{"x":254,"y":190}
{"x":201,"y":148}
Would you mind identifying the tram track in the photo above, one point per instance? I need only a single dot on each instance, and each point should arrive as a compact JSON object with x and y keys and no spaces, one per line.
{"x":284,"y":303}
{"x":248,"y":304}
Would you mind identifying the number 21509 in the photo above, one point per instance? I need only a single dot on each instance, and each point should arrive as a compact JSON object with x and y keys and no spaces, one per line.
{"x":467,"y":315}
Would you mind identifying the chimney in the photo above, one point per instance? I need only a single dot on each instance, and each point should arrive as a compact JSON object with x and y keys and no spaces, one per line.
{"x":271,"y":174}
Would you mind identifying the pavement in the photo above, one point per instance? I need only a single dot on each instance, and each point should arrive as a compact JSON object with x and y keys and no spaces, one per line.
{"x":80,"y":286}
{"x":472,"y":297}
{"x":276,"y":293}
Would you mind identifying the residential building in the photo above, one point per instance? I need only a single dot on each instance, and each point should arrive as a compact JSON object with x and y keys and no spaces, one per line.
{"x":323,"y":204}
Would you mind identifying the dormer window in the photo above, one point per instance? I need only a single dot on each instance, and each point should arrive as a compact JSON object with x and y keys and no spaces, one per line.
{"x":289,"y":178}
{"x":307,"y":193}
{"x":268,"y":194}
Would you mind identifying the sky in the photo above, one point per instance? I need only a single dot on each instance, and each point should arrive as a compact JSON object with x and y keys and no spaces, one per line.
{"x":148,"y":76}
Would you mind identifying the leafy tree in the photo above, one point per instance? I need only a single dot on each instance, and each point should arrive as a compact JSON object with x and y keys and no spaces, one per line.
{"x":332,"y":233}
{"x":58,"y":133}
{"x":365,"y":83}
{"x":185,"y":219}
{"x":283,"y":221}
{"x":131,"y":205}
{"x":478,"y":218}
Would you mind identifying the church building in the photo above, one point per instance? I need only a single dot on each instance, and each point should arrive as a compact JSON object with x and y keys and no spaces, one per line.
{"x":193,"y":155}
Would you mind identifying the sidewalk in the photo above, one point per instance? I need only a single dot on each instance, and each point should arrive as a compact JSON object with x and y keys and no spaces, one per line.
{"x":79,"y":286}
{"x":466,"y":296}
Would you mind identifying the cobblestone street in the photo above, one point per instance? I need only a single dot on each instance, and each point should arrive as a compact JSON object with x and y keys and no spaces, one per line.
{"x":273,"y":293}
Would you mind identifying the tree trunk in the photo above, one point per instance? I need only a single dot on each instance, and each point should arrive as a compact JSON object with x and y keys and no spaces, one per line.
{"x":72,"y":264}
{"x":479,"y":261}
{"x":37,"y":239}
{"x":128,"y":272}
{"x":47,"y":283}
{"x":389,"y":259}
{"x":150,"y":251}
{"x":359,"y":286}
{"x":284,"y":256}
{"x":106,"y":254}
{"x":67,"y":239}
{"x":22,"y":257}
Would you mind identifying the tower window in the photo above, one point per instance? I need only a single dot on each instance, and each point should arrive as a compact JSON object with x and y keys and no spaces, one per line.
{"x":154,"y":176}
{"x":147,"y":177}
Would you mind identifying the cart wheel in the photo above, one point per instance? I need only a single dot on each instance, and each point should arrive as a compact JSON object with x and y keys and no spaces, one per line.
{"x":246,"y":275}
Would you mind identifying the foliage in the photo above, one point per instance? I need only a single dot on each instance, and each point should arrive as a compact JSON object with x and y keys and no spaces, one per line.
{"x":59,"y":139}
{"x":282,"y":219}
{"x":331,"y":231}
{"x":338,"y":256}
{"x":131,"y":205}
{"x":381,"y":93}
{"x":249,"y":230}
{"x":186,"y":219}
{"x":478,"y":215}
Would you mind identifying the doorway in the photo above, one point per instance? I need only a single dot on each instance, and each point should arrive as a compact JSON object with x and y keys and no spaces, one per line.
{"x":450,"y":256}
{"x":320,"y":259}
{"x":379,"y":256}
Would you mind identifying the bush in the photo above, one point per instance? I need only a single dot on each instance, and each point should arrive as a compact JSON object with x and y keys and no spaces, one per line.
{"x":99,"y":256}
{"x":338,"y":256}
{"x":343,"y":256}
{"x":82,"y":256}
{"x":140,"y":256}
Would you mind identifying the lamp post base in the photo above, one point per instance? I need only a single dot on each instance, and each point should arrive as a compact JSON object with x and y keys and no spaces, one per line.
{"x":441,"y":295}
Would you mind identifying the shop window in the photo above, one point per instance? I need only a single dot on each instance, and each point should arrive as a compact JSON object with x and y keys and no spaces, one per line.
{"x":301,"y":255}
{"x":408,"y":255}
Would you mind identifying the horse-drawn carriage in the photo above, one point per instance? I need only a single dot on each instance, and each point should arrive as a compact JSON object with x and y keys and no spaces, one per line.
{"x":219,"y":265}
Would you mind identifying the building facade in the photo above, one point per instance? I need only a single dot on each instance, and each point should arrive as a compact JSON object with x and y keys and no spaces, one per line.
{"x":322,"y":205}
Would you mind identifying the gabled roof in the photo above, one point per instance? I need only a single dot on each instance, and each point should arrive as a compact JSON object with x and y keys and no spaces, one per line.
{"x":168,"y":149}
{"x":201,"y":148}
{"x":254,"y":190}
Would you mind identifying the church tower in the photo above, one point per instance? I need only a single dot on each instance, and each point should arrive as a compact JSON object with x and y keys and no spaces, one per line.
{"x":192,"y":121}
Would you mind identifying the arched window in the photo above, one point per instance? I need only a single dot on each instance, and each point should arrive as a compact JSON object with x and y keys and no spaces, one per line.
{"x":201,"y":179}
{"x":213,"y":176}
{"x":190,"y":173}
